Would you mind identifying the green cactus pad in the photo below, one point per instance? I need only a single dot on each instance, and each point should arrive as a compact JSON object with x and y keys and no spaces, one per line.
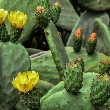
{"x":91,"y":44}
{"x":57,"y":48}
{"x":66,"y":20}
{"x":96,"y":5}
{"x":15,"y":34}
{"x":4,"y":33}
{"x":59,"y":99}
{"x":62,"y":100}
{"x":47,"y":69}
{"x":77,"y":44}
{"x":73,"y":78}
{"x":32,"y":99}
{"x":43,"y":88}
{"x":103,"y":33}
{"x":104,"y":67}
{"x":100,"y":90}
{"x":43,"y":13}
{"x":55,"y":12}
{"x":90,"y":47}
{"x":13,"y":59}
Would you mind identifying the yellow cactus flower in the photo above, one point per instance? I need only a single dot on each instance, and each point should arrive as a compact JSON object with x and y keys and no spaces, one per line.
{"x":17,"y":19}
{"x":26,"y":81}
{"x":3,"y":15}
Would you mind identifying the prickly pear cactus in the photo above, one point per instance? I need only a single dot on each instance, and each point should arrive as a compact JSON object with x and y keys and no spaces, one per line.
{"x":42,"y":88}
{"x":55,"y":12}
{"x":66,"y":20}
{"x":32,"y":99}
{"x":88,"y":21}
{"x":100,"y":90}
{"x":29,"y":8}
{"x":59,"y":99}
{"x":47,"y":68}
{"x":43,"y":13}
{"x":104,"y":67}
{"x":73,"y":77}
{"x":57,"y":48}
{"x":13,"y":59}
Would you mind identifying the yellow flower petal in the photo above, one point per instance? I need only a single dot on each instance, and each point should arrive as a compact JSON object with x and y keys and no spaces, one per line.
{"x":26,"y":81}
{"x":17,"y":19}
{"x":3,"y":15}
{"x":16,"y":84}
{"x":33,"y":77}
{"x":25,"y":88}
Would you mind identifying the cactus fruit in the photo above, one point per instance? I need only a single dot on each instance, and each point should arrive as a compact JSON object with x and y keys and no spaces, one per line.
{"x":104,"y":67}
{"x":80,"y":61}
{"x":15,"y":34}
{"x":55,"y":12}
{"x":43,"y":13}
{"x":77,"y":40}
{"x":100,"y":90}
{"x":42,"y":16}
{"x":4,"y":33}
{"x":91,"y":44}
{"x":32,"y":99}
{"x":73,"y":77}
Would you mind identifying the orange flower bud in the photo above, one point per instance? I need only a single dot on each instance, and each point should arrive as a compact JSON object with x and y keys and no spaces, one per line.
{"x":78,"y":33}
{"x":93,"y":37}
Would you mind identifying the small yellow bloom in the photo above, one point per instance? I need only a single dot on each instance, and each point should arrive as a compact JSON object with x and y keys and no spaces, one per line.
{"x":26,"y":81}
{"x":3,"y":15}
{"x":17,"y":19}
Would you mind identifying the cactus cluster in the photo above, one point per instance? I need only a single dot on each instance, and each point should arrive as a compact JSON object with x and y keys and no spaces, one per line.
{"x":45,"y":12}
{"x":81,"y":89}
{"x":36,"y":15}
{"x":78,"y":90}
{"x":13,"y":59}
{"x":17,"y":20}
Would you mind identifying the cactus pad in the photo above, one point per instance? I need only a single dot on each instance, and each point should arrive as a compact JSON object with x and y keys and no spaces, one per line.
{"x":13,"y":59}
